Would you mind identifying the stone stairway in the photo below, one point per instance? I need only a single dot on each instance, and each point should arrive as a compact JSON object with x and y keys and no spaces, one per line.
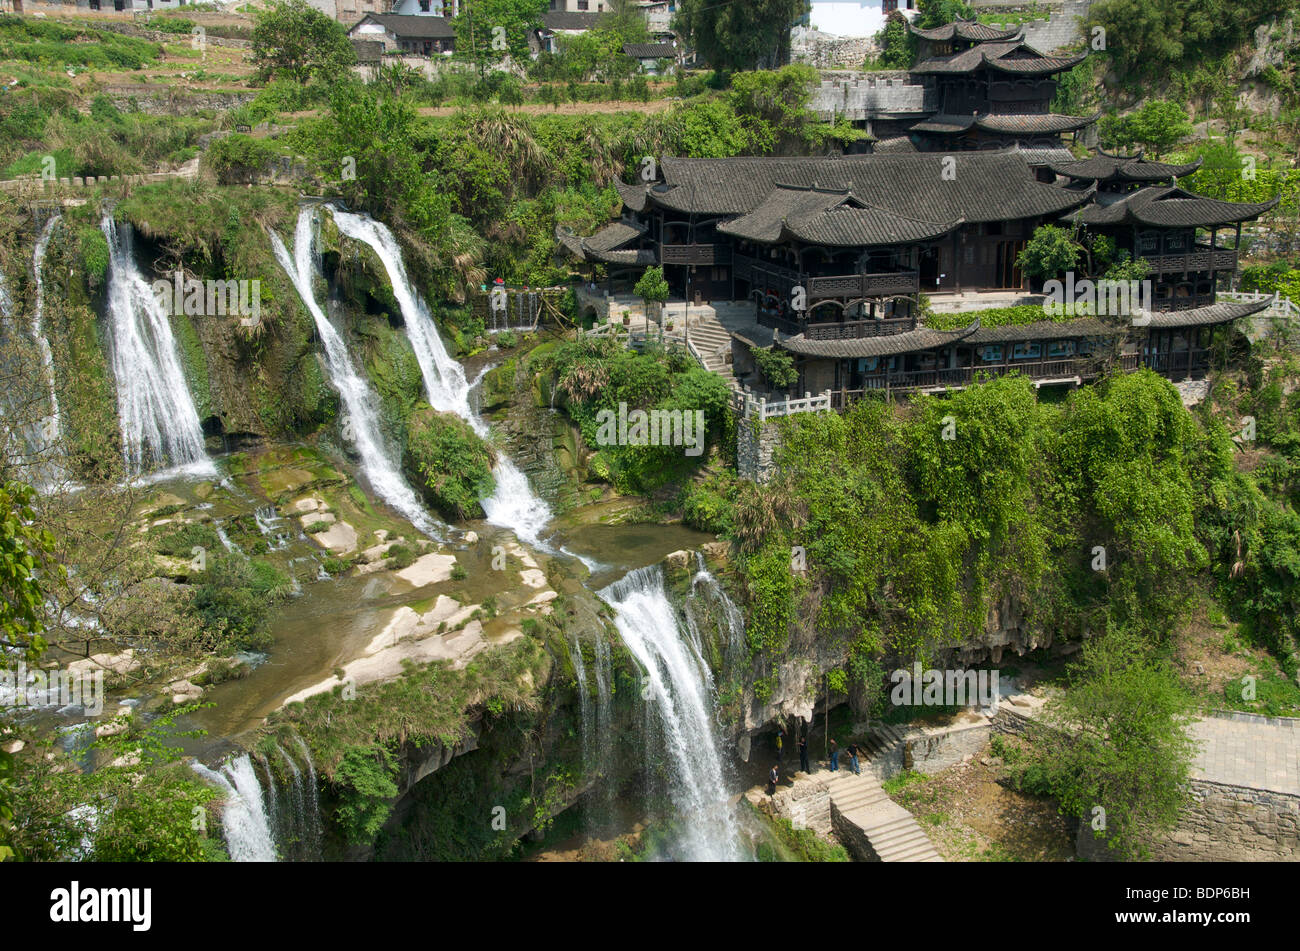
{"x":870,"y":823}
{"x":709,"y":338}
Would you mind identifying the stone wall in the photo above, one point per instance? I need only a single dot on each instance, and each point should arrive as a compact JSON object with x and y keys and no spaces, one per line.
{"x":826,"y":50}
{"x":1060,"y":28}
{"x":860,"y":96}
{"x":806,"y":803}
{"x":1222,"y":824}
{"x":937,"y":749}
{"x":756,"y":444}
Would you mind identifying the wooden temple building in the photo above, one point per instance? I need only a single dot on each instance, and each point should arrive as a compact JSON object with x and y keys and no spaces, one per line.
{"x":835,"y":251}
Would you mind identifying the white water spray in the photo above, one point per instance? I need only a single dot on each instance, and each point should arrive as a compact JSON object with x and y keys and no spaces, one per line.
{"x":247,"y":831}
{"x":359,"y":401}
{"x":513,"y":505}
{"x":160,"y":425}
{"x":681,"y":692}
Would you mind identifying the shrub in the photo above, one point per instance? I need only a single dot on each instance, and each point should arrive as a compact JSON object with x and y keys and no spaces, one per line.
{"x":450,"y":463}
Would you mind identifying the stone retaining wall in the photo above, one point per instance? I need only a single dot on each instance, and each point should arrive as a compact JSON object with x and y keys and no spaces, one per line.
{"x":936,"y":750}
{"x":756,"y":444}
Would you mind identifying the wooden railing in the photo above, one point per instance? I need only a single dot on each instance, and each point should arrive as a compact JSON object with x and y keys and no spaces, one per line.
{"x":858,"y":329}
{"x":851,"y":286}
{"x":1200,"y":258}
{"x":694,"y":254}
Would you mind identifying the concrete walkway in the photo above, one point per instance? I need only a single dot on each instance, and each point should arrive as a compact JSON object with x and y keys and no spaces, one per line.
{"x":1256,"y":752}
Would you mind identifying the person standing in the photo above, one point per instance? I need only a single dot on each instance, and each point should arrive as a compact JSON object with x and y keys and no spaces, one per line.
{"x":772,"y":779}
{"x":835,"y":757}
{"x":803,"y":753}
{"x":853,"y":759}
{"x":780,"y":748}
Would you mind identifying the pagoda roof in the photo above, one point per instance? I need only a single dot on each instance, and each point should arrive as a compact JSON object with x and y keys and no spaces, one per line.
{"x":1044,"y":330}
{"x":976,"y":186}
{"x":608,"y":245}
{"x":922,"y":338}
{"x":1102,"y":167}
{"x":1011,"y":56}
{"x":1220,"y":313}
{"x":1041,"y":123}
{"x":830,"y":218}
{"x":1168,"y":206}
{"x":964,"y":30}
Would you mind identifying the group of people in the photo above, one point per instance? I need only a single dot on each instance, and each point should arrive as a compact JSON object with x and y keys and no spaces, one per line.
{"x":774,"y":775}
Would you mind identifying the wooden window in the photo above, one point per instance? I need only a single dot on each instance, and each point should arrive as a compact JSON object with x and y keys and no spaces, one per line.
{"x":1027,"y":351}
{"x":991,"y":354}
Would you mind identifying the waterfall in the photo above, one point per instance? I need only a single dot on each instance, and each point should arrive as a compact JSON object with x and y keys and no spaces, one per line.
{"x":362,"y":405}
{"x":160,"y":425}
{"x":513,"y":505}
{"x":584,"y":700}
{"x":247,"y":831}
{"x":55,"y":426}
{"x":263,"y":821}
{"x":681,"y":692}
{"x":730,"y":624}
{"x":6,"y":302}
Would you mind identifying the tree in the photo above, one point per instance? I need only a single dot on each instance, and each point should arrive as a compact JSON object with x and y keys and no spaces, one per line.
{"x":750,"y":35}
{"x":1159,"y":125}
{"x":897,"y":44}
{"x":652,"y":287}
{"x":294,"y":40}
{"x":934,"y":13}
{"x":1050,"y":252}
{"x":487,"y":31}
{"x":1117,"y":753}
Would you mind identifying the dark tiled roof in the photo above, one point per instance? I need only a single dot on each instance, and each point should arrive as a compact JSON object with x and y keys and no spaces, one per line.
{"x":1045,"y":330}
{"x":896,"y":144}
{"x":831,"y":218}
{"x":1219,"y":313}
{"x":607,"y":245}
{"x":649,"y":50}
{"x":405,"y":26}
{"x":1044,"y":156}
{"x":944,"y":124}
{"x":612,"y":236}
{"x":994,"y":185}
{"x":633,"y":196}
{"x":1167,"y":206}
{"x":1013,"y":56}
{"x":966,"y":30}
{"x":1043,"y":123}
{"x":564,"y":20}
{"x":923,"y":338}
{"x":1130,"y":168}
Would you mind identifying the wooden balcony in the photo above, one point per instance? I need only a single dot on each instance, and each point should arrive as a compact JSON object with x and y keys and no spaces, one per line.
{"x":859,"y":329}
{"x":853,"y":286}
{"x":706,"y":254}
{"x":1200,"y":258}
{"x":1183,"y":303}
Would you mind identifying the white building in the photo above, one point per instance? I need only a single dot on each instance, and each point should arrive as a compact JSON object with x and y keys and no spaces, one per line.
{"x":855,"y":17}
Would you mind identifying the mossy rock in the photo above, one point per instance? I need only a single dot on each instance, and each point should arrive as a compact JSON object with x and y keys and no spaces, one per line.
{"x":448,"y":462}
{"x":498,"y":386}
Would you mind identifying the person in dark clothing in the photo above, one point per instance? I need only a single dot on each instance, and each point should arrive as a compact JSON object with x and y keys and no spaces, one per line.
{"x":772,"y":779}
{"x":803,"y":753}
{"x":853,"y":758}
{"x":835,"y":758}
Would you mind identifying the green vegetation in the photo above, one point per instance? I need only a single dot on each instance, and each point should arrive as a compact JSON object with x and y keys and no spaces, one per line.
{"x":64,"y":44}
{"x":450,"y":463}
{"x":234,"y":599}
{"x":1117,"y":754}
{"x":777,"y":367}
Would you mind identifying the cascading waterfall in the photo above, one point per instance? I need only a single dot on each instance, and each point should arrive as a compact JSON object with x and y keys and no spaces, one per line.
{"x":681,"y":691}
{"x":160,"y":425}
{"x":584,"y":701}
{"x":731,"y":624}
{"x":6,"y":302}
{"x":38,"y":328}
{"x":263,"y":819}
{"x":247,"y":831}
{"x":360,"y":402}
{"x":513,"y":505}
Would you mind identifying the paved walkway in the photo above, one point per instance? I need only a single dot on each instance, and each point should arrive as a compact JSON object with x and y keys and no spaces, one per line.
{"x":1259,"y":753}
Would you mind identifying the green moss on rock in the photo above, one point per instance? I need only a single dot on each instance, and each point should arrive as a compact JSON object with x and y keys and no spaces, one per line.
{"x":449,"y":463}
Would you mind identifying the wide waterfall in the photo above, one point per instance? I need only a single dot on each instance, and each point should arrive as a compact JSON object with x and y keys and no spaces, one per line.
{"x":681,"y":693}
{"x":160,"y":425}
{"x":377,"y":460}
{"x":266,"y":819}
{"x":513,"y":505}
